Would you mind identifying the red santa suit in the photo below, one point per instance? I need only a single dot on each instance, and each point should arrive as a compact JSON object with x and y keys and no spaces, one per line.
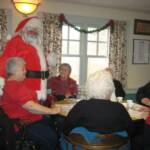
{"x":32,"y":53}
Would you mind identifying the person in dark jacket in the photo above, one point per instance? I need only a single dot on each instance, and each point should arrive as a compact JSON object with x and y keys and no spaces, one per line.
{"x":119,"y":91}
{"x":99,"y":115}
{"x":143,"y":95}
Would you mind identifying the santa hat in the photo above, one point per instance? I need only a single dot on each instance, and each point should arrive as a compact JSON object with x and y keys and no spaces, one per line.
{"x":31,"y":21}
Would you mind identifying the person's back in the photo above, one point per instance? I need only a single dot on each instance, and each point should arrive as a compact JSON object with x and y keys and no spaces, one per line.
{"x":98,"y":115}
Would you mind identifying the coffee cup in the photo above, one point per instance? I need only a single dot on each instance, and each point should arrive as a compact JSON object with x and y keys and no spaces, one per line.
{"x":119,"y":99}
{"x":130,"y":103}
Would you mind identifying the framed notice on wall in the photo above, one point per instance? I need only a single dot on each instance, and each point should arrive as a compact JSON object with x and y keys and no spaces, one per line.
{"x":141,"y":49}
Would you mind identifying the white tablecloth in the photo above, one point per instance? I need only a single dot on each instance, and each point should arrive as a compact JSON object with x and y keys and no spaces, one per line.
{"x":137,"y":111}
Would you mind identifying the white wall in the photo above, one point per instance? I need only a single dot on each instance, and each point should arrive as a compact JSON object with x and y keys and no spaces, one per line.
{"x":137,"y":74}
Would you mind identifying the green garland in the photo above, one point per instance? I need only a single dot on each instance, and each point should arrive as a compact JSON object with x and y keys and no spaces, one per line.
{"x":64,"y":20}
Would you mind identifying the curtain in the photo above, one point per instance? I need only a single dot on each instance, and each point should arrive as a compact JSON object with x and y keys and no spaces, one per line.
{"x":117,"y":55}
{"x":3,"y":28}
{"x":52,"y":35}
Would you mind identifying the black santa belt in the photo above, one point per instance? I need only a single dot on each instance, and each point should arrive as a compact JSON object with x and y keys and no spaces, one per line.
{"x":37,"y":74}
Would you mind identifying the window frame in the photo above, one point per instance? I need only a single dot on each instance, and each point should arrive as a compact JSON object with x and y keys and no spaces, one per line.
{"x":83,"y":49}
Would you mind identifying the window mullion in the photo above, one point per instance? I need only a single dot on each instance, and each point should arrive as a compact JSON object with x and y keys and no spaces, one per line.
{"x":97,"y":42}
{"x":68,"y":42}
{"x":83,"y":59}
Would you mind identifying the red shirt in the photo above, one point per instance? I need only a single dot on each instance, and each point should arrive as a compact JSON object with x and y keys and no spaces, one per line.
{"x":148,"y":120}
{"x":15,"y":95}
{"x":62,"y":87}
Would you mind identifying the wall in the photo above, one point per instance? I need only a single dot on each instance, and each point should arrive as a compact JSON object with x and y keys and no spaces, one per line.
{"x":137,"y":74}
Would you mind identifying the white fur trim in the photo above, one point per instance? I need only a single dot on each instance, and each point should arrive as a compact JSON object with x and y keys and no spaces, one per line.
{"x":43,"y":91}
{"x":41,"y":95}
{"x":2,"y":82}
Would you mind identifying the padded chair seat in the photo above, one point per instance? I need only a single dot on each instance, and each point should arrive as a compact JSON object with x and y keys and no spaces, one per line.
{"x":109,"y":141}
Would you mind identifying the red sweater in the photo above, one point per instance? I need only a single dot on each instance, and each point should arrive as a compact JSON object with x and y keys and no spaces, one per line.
{"x":62,"y":87}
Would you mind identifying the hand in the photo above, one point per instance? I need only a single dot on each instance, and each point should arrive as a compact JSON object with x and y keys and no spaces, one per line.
{"x":55,"y":109}
{"x":145,"y":115}
{"x":68,"y":95}
{"x":146,"y":101}
{"x":144,"y":109}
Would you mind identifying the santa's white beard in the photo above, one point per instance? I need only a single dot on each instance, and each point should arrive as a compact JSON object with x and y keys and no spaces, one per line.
{"x":33,"y":40}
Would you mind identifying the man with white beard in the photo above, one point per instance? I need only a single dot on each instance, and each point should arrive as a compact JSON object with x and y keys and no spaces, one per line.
{"x":27,"y":43}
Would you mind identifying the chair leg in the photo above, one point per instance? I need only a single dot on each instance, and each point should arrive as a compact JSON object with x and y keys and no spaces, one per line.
{"x":67,"y":145}
{"x":73,"y":147}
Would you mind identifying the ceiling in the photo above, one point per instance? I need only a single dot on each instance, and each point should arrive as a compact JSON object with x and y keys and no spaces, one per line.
{"x":136,"y":5}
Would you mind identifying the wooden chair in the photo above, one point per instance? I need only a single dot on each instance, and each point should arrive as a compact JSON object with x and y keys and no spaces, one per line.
{"x":12,"y":140}
{"x":108,"y":142}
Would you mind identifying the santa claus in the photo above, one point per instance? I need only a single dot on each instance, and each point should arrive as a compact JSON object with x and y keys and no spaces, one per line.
{"x":27,"y":43}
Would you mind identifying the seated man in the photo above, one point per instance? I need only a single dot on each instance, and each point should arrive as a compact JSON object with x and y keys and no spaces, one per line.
{"x":19,"y":102}
{"x":143,"y":95}
{"x":63,"y":86}
{"x":99,"y":114}
{"x":119,"y":91}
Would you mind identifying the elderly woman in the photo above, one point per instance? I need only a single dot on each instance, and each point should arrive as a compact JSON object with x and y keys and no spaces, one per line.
{"x":98,"y":114}
{"x":63,"y":86}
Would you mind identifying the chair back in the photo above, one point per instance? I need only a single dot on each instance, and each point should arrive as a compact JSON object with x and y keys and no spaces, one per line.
{"x":13,"y":140}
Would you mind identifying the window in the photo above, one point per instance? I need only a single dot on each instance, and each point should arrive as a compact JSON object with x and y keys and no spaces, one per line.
{"x":86,"y":53}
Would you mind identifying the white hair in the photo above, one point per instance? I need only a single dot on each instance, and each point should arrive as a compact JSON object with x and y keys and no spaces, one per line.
{"x":100,"y":85}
